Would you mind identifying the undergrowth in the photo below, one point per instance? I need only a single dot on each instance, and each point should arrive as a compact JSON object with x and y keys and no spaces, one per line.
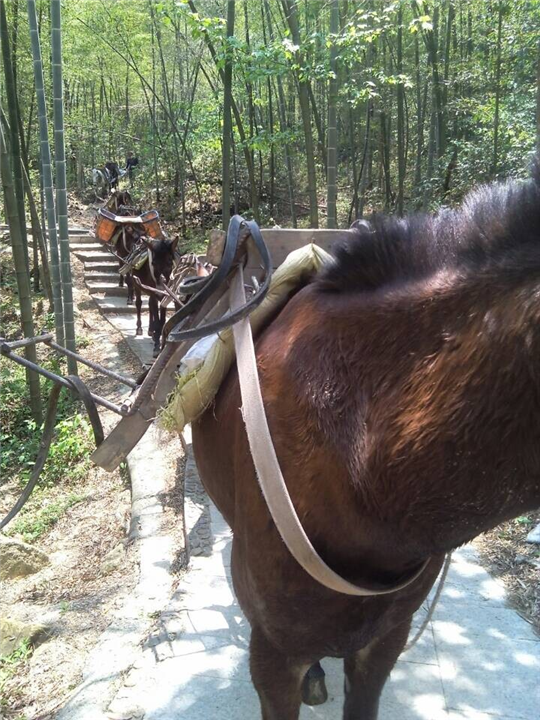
{"x":68,"y":460}
{"x":10,"y":664}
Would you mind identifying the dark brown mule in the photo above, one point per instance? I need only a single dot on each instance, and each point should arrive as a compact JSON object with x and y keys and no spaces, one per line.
{"x":402,"y":388}
{"x":155,"y":271}
{"x":121,"y":203}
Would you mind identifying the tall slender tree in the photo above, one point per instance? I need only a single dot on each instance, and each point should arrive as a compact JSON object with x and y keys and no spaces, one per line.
{"x":331,"y":182}
{"x":227,"y":121}
{"x":538,"y":101}
{"x":400,"y":113}
{"x":23,"y":281}
{"x":498,"y":61}
{"x":61,"y":190}
{"x":290,"y":8}
{"x":13,"y":115}
{"x":46,"y":173}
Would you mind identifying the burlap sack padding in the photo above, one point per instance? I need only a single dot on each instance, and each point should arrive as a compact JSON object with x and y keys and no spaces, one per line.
{"x":195,"y":390}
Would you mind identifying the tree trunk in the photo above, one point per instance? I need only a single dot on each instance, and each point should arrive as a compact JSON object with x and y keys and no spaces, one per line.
{"x":400,"y":114}
{"x":23,"y":283}
{"x":331,"y":181}
{"x":538,"y":101}
{"x":419,"y":117}
{"x":14,"y":138}
{"x":227,"y":122}
{"x":290,"y":8}
{"x":61,"y":191}
{"x":496,"y":119}
{"x":46,"y":169}
{"x":283,"y":126}
{"x":39,"y":241}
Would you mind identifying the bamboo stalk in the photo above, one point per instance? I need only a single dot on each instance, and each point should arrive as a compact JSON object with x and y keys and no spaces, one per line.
{"x":23,"y":281}
{"x":14,"y":141}
{"x":46,"y":172}
{"x":61,"y":190}
{"x":227,"y":122}
{"x":331,"y":180}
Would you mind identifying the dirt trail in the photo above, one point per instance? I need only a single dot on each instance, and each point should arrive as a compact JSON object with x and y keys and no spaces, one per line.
{"x":94,"y":567}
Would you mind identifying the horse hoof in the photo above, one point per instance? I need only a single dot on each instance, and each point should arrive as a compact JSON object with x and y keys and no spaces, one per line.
{"x":130,"y":302}
{"x":314,"y":690}
{"x":155,"y":352}
{"x":138,"y":331}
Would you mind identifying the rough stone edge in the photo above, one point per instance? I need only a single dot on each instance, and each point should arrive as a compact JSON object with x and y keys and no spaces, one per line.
{"x":112,"y":656}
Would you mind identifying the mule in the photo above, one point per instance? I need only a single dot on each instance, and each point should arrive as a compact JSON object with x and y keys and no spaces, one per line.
{"x":152,"y":274}
{"x":121,"y":203}
{"x":402,"y":390}
{"x":105,"y":179}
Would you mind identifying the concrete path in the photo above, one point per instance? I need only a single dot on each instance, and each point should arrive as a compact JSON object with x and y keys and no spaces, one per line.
{"x":477,"y":660}
{"x":101,"y":278}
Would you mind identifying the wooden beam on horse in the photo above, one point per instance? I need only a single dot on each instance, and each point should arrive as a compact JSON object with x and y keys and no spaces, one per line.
{"x":281,"y":242}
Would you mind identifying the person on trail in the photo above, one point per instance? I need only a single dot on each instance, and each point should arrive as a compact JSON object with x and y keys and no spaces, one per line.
{"x":131,"y":162}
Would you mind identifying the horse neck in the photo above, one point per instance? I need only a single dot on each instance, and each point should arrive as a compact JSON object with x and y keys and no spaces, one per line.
{"x":431,"y":406}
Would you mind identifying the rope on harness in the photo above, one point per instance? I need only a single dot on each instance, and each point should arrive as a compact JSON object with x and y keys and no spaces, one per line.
{"x":446,"y":567}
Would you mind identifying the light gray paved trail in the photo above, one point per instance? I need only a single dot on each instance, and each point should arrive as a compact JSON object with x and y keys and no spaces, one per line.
{"x":477,"y":660}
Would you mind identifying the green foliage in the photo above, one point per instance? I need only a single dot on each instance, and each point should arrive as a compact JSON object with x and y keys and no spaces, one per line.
{"x":10,"y":663}
{"x":68,"y":461}
{"x":20,"y":437}
{"x":150,"y":84}
{"x":33,"y":522}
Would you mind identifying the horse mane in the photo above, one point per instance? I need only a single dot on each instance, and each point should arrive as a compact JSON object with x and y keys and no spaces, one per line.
{"x":163,"y":247}
{"x":496,"y":225}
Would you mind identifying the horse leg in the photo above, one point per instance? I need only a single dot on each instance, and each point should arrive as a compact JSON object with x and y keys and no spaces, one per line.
{"x":158,"y":320}
{"x":152,"y":307}
{"x":121,"y":278}
{"x":313,"y":686}
{"x":129,"y":283}
{"x":367,"y":671}
{"x":277,"y":679}
{"x":162,"y":317}
{"x":138,"y":306}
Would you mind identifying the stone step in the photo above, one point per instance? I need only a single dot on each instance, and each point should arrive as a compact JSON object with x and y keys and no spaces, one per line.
{"x":109,"y":265}
{"x":106,"y":288}
{"x":71,"y":230}
{"x":94,"y":255}
{"x":82,"y":239}
{"x":96,"y":276}
{"x":87,"y":247}
{"x":79,"y":231}
{"x":117,"y":305}
{"x":90,"y":248}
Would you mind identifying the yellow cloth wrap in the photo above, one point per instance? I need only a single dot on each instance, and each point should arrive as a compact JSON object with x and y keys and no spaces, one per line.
{"x":195,"y":390}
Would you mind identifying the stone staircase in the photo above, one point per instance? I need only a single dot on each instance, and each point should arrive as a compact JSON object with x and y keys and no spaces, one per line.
{"x":102,"y":277}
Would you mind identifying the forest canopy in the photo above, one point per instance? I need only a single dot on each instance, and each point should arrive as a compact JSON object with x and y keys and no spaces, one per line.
{"x":430,"y":99}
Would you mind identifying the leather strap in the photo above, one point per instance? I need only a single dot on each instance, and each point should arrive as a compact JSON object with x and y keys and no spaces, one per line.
{"x":269,"y":473}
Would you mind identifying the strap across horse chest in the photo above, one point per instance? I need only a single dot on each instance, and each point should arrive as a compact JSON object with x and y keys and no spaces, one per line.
{"x":269,"y":473}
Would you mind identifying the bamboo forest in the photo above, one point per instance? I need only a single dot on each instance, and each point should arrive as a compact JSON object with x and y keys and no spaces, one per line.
{"x":393,"y":106}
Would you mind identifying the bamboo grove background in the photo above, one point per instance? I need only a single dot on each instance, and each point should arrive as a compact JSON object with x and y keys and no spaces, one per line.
{"x":428,"y":99}
{"x":300,"y":112}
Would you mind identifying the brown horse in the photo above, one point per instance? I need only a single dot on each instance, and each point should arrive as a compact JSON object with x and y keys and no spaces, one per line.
{"x":402,"y":389}
{"x":152,"y":273}
{"x":121,"y":203}
{"x":156,"y":271}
